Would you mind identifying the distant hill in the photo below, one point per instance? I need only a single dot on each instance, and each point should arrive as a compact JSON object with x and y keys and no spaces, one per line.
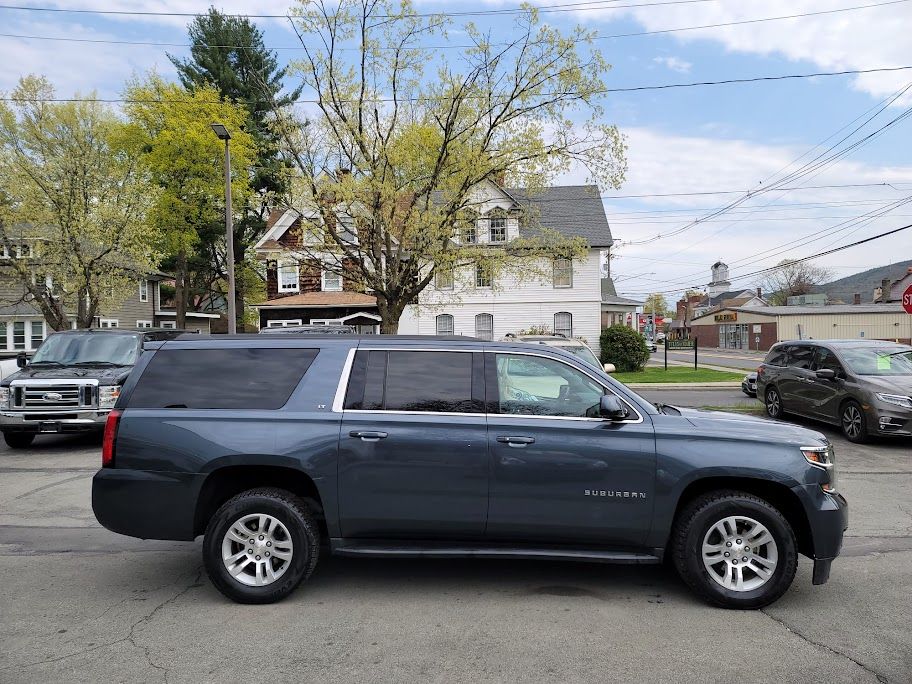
{"x":864,"y":282}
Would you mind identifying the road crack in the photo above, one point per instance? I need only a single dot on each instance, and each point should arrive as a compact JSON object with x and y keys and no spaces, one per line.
{"x":880,"y":677}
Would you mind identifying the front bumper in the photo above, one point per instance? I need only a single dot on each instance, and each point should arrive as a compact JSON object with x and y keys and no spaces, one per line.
{"x":888,"y":419}
{"x":147,"y":504}
{"x":828,"y":519}
{"x":53,"y":421}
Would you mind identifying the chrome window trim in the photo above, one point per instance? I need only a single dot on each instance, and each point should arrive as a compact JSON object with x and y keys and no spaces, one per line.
{"x":341,"y":389}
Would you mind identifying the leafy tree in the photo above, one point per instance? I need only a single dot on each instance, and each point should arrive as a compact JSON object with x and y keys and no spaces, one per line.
{"x":656,"y":304}
{"x":792,"y":278}
{"x":72,"y":205}
{"x":624,"y":347}
{"x":228,"y":54}
{"x":170,"y":128}
{"x":389,"y":166}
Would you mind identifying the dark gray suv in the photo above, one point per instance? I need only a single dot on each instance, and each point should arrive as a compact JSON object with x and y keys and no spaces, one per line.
{"x":278,"y":448}
{"x":864,"y":386}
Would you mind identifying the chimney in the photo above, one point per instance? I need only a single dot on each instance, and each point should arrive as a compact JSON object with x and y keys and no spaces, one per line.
{"x":885,"y":290}
{"x":759,"y":292}
{"x":857,"y":298}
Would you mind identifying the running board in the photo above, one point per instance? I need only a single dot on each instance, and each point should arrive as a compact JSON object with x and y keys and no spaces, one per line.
{"x":408,"y":549}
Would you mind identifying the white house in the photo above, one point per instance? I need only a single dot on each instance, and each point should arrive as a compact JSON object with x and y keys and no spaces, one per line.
{"x":565,"y":297}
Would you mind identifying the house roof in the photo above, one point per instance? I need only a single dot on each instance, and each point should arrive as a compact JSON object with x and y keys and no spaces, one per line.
{"x":572,"y":210}
{"x":833,"y":309}
{"x":621,"y":301}
{"x":306,"y":299}
{"x":721,"y":298}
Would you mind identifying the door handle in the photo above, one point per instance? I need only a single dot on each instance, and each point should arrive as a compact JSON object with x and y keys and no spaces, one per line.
{"x":515,"y":441}
{"x":368,"y":435}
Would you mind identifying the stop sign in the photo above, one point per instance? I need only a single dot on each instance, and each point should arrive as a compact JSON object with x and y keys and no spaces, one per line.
{"x":907,"y":299}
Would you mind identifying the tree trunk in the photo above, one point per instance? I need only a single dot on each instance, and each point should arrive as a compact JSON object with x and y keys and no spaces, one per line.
{"x":390,"y":313}
{"x":180,"y":291}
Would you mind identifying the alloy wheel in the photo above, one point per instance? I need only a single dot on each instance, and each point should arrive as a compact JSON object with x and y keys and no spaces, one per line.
{"x":257,"y":549}
{"x":773,"y":403}
{"x":851,"y":421}
{"x":739,"y":553}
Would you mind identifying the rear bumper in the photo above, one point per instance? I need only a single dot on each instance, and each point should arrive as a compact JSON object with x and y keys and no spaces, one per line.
{"x":62,"y":421}
{"x":146,"y":504}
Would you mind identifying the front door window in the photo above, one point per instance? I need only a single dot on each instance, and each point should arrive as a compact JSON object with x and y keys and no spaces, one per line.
{"x":536,"y":386}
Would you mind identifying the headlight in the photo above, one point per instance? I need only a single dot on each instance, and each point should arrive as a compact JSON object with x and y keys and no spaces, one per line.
{"x":4,"y":397}
{"x":823,"y":457}
{"x":898,"y":399}
{"x":107,"y":396}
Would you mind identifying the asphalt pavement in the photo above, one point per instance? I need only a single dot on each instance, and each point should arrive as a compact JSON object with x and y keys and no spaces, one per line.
{"x":81,"y":604}
{"x":735,"y":359}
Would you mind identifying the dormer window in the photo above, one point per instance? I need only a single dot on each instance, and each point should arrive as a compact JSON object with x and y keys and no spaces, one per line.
{"x":497,"y":227}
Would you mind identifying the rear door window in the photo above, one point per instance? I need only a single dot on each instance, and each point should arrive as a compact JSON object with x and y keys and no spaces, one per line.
{"x":801,"y":356}
{"x":776,"y":357}
{"x":221,"y":378}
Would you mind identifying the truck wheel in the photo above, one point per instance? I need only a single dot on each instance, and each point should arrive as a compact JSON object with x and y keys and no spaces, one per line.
{"x":734,"y":549}
{"x":260,"y":545}
{"x":773,"y":403}
{"x":18,"y":440}
{"x":854,"y":425}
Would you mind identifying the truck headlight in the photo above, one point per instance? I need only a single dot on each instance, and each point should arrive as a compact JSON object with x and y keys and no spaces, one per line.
{"x":898,"y":399}
{"x":823,"y":457}
{"x":4,"y":397}
{"x":107,"y":396}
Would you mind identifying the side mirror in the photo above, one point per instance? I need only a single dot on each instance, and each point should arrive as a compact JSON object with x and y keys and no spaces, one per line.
{"x":21,"y":360}
{"x":826,"y":374}
{"x":611,"y":408}
{"x":609,"y":368}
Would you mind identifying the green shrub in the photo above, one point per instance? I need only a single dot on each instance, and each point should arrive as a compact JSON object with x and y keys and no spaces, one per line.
{"x":624,"y":347}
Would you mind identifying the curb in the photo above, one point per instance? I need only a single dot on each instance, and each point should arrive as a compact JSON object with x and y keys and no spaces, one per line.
{"x":684,"y":385}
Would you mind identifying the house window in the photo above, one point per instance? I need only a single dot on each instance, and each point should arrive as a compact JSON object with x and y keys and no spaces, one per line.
{"x":563,"y":324}
{"x":443,"y":278}
{"x":563,"y":273}
{"x":283,"y":322}
{"x":37,"y":334}
{"x":3,"y":339}
{"x":169,"y":325}
{"x":18,"y":334}
{"x":109,"y":323}
{"x":497,"y":231}
{"x":483,"y":276}
{"x":484,"y":326}
{"x":470,"y":234}
{"x":143,"y":324}
{"x":445,"y":325}
{"x":289,"y":277}
{"x":332,"y":282}
{"x":23,"y":250}
{"x":144,"y":291}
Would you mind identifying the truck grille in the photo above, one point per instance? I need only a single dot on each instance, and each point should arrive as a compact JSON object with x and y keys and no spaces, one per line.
{"x":44,"y":397}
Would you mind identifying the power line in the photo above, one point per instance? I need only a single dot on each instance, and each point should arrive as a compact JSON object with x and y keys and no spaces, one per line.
{"x":741,"y":192}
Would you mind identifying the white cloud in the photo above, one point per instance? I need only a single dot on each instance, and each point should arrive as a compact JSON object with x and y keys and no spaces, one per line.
{"x":674,"y":63}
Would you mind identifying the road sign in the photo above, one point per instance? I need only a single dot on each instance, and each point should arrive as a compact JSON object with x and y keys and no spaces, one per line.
{"x":907,"y":300}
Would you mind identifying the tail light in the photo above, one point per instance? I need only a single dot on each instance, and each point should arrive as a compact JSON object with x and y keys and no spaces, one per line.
{"x":759,"y":371}
{"x":110,"y":436}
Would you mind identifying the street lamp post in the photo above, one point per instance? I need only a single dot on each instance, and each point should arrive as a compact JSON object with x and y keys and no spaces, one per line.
{"x":222,"y":133}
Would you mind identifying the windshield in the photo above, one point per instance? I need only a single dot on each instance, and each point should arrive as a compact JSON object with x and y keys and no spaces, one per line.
{"x":88,"y":348}
{"x":878,"y":361}
{"x":582,"y":352}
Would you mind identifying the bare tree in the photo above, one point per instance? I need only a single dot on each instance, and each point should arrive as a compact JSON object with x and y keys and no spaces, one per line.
{"x":792,"y":278}
{"x":388,"y":166}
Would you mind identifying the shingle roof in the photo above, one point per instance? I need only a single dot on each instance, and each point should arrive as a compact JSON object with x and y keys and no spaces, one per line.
{"x":572,"y":210}
{"x":321,"y":299}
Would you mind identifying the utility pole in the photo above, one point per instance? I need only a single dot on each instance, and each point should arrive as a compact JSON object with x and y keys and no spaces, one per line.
{"x":222,"y":133}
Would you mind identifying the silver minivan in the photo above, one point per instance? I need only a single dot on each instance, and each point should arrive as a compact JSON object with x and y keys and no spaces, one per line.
{"x":864,"y":386}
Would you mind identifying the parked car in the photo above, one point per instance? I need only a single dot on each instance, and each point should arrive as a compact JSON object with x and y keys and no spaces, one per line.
{"x":576,"y":347}
{"x":650,"y":344}
{"x":660,"y":338}
{"x":334,"y":329}
{"x":864,"y":386}
{"x":71,"y":382}
{"x":749,"y":384}
{"x":440,"y":447}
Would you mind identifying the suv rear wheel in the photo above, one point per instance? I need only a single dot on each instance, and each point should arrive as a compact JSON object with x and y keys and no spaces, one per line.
{"x":734,"y":549}
{"x":773,"y":403}
{"x":260,"y":545}
{"x":18,"y":440}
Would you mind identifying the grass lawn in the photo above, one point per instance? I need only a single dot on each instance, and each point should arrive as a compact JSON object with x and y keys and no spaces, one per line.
{"x":677,"y":374}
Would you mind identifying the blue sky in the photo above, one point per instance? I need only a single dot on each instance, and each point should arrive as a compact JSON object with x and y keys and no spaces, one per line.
{"x":689,"y":140}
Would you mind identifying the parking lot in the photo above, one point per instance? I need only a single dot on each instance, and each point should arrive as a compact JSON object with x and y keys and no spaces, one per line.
{"x":83,"y":604}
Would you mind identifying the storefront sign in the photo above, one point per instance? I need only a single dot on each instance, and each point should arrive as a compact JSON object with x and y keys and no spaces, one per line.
{"x":726,"y":317}
{"x":757,"y":328}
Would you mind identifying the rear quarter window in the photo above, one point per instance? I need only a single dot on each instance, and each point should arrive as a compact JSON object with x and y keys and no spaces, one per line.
{"x":776,"y":357}
{"x":221,"y":378}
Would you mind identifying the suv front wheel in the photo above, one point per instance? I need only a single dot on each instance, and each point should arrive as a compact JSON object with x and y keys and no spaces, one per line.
{"x":260,"y":545}
{"x":734,"y":549}
{"x":18,"y":440}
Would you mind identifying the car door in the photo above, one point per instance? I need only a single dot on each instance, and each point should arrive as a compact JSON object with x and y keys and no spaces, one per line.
{"x":825,"y":395}
{"x":559,"y":473}
{"x":413,"y":446}
{"x":795,"y":382}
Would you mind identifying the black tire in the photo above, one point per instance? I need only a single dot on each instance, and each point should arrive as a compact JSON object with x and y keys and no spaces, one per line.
{"x":18,"y":440}
{"x":301,"y":524}
{"x":853,"y":422}
{"x":773,"y":403}
{"x":699,"y":516}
